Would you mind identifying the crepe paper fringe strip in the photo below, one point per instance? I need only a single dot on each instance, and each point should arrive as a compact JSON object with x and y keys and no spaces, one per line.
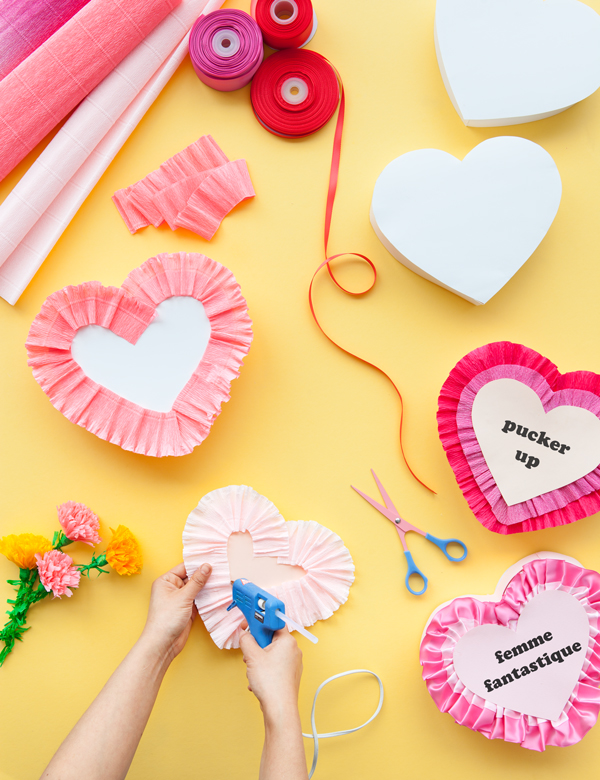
{"x":194,"y":189}
{"x":500,"y":360}
{"x":45,"y":569}
{"x":26,"y":24}
{"x":239,"y":509}
{"x":127,"y":312}
{"x":454,"y":620}
{"x":56,"y":77}
{"x":40,"y":207}
{"x":226,"y":49}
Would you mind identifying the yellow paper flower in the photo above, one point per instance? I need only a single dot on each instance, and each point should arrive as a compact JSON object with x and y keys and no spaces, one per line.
{"x":123,"y":552}
{"x":22,"y":548}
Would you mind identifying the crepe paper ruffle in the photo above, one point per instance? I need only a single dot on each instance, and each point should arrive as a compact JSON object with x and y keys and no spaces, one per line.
{"x":238,"y":509}
{"x":194,"y":189}
{"x":506,"y":360}
{"x":128,"y":311}
{"x":455,"y":619}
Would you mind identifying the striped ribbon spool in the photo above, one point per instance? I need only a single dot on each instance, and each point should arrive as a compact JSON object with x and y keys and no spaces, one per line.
{"x":285,"y":24}
{"x":226,"y":49}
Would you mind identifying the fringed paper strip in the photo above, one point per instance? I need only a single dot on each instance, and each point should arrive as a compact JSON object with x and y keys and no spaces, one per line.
{"x":506,"y":360}
{"x":195,"y":189}
{"x":238,"y":509}
{"x":127,"y":312}
{"x":455,"y":619}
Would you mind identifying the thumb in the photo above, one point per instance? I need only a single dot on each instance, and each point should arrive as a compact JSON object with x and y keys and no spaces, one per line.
{"x":197,"y":581}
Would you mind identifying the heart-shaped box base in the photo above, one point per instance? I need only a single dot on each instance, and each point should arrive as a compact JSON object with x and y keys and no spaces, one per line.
{"x":240,"y":509}
{"x":128,"y":312}
{"x":462,"y":440}
{"x":533,"y":645}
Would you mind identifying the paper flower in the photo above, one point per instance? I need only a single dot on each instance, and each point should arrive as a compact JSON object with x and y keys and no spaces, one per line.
{"x":22,"y":549}
{"x":57,"y":573}
{"x":79,"y":523}
{"x":123,"y":552}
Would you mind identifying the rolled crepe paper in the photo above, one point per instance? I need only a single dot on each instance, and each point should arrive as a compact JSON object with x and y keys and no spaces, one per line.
{"x":285,"y":24}
{"x":42,"y":90}
{"x":226,"y":49}
{"x":26,"y":24}
{"x":295,"y":93}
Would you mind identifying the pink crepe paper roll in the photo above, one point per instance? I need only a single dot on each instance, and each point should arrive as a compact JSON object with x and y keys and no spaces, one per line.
{"x":26,"y":24}
{"x":59,"y":74}
{"x":226,"y":49}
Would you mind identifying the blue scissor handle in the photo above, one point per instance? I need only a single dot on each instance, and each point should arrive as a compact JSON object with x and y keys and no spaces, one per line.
{"x":412,"y":569}
{"x":443,"y":545}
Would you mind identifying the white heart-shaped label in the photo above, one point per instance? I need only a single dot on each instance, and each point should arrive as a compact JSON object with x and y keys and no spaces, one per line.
{"x":529,"y":451}
{"x":467,"y":226}
{"x":153,"y":371}
{"x":504,"y":62}
{"x":532,"y":670}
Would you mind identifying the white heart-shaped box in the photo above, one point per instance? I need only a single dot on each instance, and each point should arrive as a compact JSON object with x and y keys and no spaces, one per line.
{"x":467,"y":226}
{"x":504,"y":62}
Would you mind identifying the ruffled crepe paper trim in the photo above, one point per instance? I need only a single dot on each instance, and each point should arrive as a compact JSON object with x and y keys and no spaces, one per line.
{"x":128,"y":311}
{"x":500,"y":360}
{"x":194,"y":189}
{"x":237,"y":509}
{"x":454,"y":620}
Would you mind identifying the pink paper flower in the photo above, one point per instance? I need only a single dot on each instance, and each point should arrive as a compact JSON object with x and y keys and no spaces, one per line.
{"x":57,"y":573}
{"x":79,"y":523}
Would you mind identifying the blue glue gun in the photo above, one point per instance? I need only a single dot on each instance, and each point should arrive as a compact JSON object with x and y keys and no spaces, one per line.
{"x":264,"y":613}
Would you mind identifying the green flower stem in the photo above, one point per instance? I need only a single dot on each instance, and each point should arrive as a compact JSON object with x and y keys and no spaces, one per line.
{"x":60,"y":540}
{"x":95,"y":564}
{"x":27,"y":594}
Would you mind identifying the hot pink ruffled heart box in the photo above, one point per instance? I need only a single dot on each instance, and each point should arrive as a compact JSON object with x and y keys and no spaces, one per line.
{"x":128,"y":312}
{"x":515,"y":367}
{"x":499,"y":664}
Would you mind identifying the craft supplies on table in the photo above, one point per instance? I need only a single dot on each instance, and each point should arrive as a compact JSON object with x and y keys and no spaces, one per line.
{"x":42,"y":90}
{"x":403,"y":527}
{"x":37,"y":211}
{"x":226,"y":49}
{"x":285,"y":24}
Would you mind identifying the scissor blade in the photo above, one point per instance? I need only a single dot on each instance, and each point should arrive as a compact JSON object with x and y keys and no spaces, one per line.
{"x":380,"y":508}
{"x":388,"y":501}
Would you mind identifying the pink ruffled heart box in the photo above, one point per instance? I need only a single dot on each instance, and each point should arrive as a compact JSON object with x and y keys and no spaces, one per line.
{"x":522,"y":439}
{"x":522,"y":665}
{"x":130,"y":312}
{"x":238,"y":509}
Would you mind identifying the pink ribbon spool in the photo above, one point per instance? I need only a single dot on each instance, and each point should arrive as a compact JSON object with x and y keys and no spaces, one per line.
{"x":226,"y":49}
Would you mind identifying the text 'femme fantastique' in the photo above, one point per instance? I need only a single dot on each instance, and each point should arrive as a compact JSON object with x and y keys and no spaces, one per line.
{"x":542,"y":661}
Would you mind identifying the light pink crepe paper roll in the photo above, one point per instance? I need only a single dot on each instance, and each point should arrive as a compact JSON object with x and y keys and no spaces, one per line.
{"x":56,"y":77}
{"x":239,"y":509}
{"x":37,"y":211}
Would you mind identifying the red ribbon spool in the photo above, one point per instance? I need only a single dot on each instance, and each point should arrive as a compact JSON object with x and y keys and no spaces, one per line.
{"x":294,"y":93}
{"x":285,"y":24}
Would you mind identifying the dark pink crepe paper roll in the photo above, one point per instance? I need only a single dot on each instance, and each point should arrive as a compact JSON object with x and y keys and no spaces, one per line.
{"x":42,"y":90}
{"x":226,"y":49}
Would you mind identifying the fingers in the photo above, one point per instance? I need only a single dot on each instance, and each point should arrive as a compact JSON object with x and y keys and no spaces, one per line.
{"x":248,"y":645}
{"x":178,"y":570}
{"x":197,"y":581}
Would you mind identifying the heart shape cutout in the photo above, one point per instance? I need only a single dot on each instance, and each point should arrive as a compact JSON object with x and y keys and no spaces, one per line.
{"x":467,"y":226}
{"x":504,"y":62}
{"x":185,"y":308}
{"x":538,"y":470}
{"x":238,"y":509}
{"x":534,"y":643}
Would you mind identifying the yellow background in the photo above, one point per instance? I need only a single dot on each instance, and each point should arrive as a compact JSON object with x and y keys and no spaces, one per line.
{"x":304,"y":422}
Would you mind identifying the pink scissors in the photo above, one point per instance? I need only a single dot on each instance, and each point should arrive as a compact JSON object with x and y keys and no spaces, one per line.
{"x":390,"y":511}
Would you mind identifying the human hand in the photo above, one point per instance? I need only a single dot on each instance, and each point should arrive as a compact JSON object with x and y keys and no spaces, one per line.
{"x":273,"y":672}
{"x":172,"y":611}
